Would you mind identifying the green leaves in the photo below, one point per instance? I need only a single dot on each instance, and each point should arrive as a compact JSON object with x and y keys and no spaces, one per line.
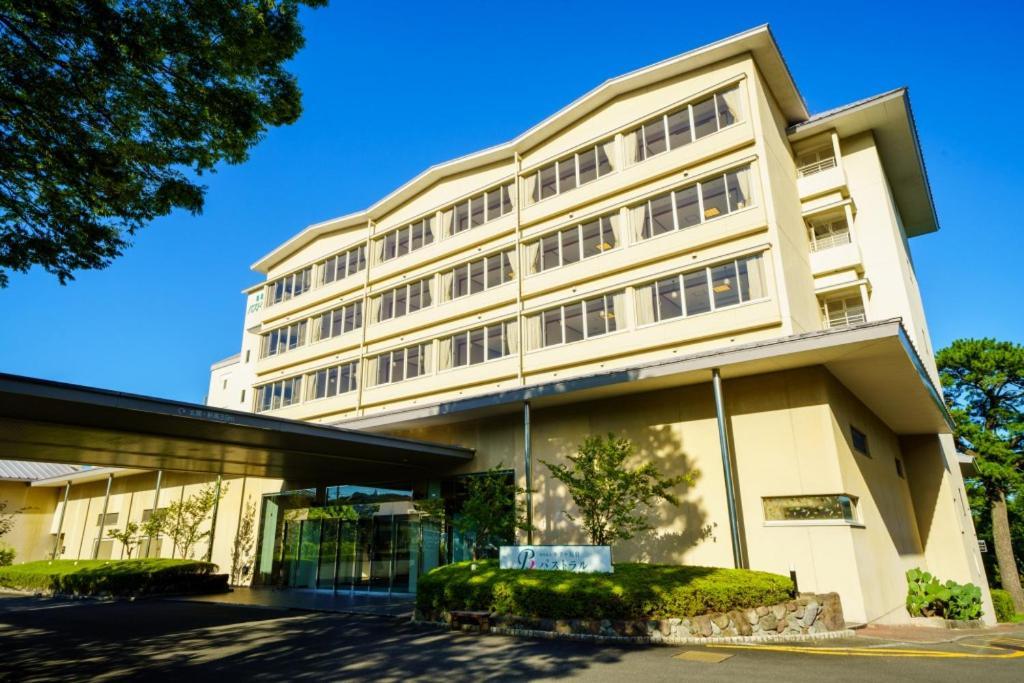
{"x":108,"y":111}
{"x":927,"y":597}
{"x":491,"y":511}
{"x":613,"y":498}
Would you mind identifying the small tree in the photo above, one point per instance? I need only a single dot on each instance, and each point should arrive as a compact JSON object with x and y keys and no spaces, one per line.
{"x":6,"y":519}
{"x":612,"y":498}
{"x":183,"y":519}
{"x":129,"y":537}
{"x":491,"y":512}
{"x":241,"y":549}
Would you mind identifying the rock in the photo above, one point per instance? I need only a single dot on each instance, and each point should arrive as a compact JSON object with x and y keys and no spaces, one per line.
{"x":702,"y":626}
{"x":779,"y":611}
{"x":799,"y":611}
{"x":720,"y":620}
{"x":740,"y":623}
{"x":791,"y":606}
{"x":761,"y":611}
{"x":729,"y":632}
{"x":810,"y":614}
{"x":781,"y":626}
{"x":768,"y":622}
{"x":751,"y":616}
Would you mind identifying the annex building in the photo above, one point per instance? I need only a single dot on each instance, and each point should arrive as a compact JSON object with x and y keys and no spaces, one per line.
{"x":685,"y":256}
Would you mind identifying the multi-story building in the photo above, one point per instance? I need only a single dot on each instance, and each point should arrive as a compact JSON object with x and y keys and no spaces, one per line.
{"x":685,"y":257}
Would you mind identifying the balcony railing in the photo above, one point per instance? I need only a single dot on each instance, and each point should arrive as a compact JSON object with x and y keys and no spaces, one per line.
{"x":845,"y":318}
{"x":836,"y":238}
{"x":816,"y":167}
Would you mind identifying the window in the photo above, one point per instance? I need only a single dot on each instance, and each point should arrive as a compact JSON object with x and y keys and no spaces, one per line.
{"x":284,"y":339}
{"x":289,"y":286}
{"x":843,"y":311}
{"x":478,"y":275}
{"x":859,"y":440}
{"x":699,"y":291}
{"x":110,"y":519}
{"x":899,"y":469}
{"x":575,"y":243}
{"x":147,"y":513}
{"x":478,"y":210}
{"x":333,"y":381}
{"x":576,"y":321}
{"x":242,"y":399}
{"x":224,"y":384}
{"x":841,"y":508}
{"x":279,"y":394}
{"x":343,"y":265}
{"x":816,"y":160}
{"x":247,"y":355}
{"x":692,"y":204}
{"x":828,"y":233}
{"x":682,"y":126}
{"x":479,"y":345}
{"x":400,"y":364}
{"x":338,"y":321}
{"x":404,"y":300}
{"x":570,"y":172}
{"x":406,"y":239}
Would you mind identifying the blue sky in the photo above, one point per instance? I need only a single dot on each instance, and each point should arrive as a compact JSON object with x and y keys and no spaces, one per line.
{"x":390,"y":89}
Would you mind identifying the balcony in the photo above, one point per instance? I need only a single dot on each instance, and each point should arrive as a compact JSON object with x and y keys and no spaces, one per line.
{"x":843,"y":311}
{"x":832,"y":247}
{"x":819,"y":173}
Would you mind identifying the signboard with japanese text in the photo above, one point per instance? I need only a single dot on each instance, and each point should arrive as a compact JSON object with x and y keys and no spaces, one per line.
{"x":582,"y":559}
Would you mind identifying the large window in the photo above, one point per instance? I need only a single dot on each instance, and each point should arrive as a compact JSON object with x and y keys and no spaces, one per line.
{"x":278,"y":394}
{"x":284,"y":288}
{"x":702,"y":290}
{"x":284,"y":339}
{"x":684,"y":125}
{"x":692,"y":204}
{"x":338,"y":321}
{"x":400,"y":364}
{"x":478,"y":209}
{"x":841,"y":508}
{"x":576,"y":321}
{"x":407,"y":239}
{"x":478,"y":275}
{"x":573,"y":244}
{"x":479,"y":345}
{"x":332,"y":381}
{"x":403,"y":300}
{"x":571,"y":172}
{"x":343,"y":265}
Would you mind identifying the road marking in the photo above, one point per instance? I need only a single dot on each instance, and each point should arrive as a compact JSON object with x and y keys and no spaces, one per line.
{"x":698,"y":656}
{"x":876,"y":652}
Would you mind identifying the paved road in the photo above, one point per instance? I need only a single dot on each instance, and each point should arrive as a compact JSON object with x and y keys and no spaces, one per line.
{"x":59,"y":640}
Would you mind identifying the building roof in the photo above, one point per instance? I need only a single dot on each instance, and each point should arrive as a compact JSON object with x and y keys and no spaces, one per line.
{"x":23,"y":470}
{"x":225,"y":362}
{"x":758,"y":42}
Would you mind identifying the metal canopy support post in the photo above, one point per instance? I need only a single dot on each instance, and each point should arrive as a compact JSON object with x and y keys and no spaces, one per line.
{"x":730,"y":487}
{"x":60,"y":520}
{"x":213,"y":521}
{"x":528,"y":467}
{"x":156,"y":506}
{"x":103,"y":518}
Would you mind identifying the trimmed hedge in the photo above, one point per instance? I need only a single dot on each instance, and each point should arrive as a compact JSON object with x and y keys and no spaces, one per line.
{"x":114,"y":577}
{"x":1003,"y":604}
{"x":633,"y":591}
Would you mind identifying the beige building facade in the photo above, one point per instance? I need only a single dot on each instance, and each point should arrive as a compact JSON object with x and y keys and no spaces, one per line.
{"x":685,"y":227}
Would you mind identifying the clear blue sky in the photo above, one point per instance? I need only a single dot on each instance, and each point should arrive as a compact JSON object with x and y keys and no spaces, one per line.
{"x":391,"y":88}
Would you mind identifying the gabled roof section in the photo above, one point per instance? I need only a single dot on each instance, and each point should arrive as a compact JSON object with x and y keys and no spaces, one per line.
{"x":889,"y":117}
{"x":758,"y":41}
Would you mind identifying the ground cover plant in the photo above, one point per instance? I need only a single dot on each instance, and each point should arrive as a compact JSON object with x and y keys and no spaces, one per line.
{"x":633,"y":591}
{"x":928,"y":597}
{"x":114,"y":577}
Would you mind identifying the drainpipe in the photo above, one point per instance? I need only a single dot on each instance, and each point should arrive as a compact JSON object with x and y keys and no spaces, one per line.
{"x":730,"y":487}
{"x":60,"y":520}
{"x":213,"y":522}
{"x":156,"y":506}
{"x":103,"y":518}
{"x":528,"y":460}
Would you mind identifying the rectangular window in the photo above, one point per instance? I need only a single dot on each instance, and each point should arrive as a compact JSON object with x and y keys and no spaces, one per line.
{"x":575,"y":170}
{"x":478,"y":210}
{"x":333,"y":381}
{"x":479,"y":275}
{"x":840,"y":508}
{"x":478,"y":345}
{"x":401,"y":364}
{"x":692,"y":204}
{"x":338,"y":321}
{"x":107,"y":520}
{"x":406,"y":239}
{"x":859,"y":440}
{"x":843,"y":311}
{"x":731,"y":283}
{"x":575,"y":243}
{"x":405,"y":299}
{"x":289,"y":286}
{"x":580,"y":320}
{"x":284,"y":339}
{"x":279,"y":394}
{"x":683,"y":125}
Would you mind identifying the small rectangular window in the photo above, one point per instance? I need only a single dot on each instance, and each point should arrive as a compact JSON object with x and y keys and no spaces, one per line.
{"x":588,"y":166}
{"x":571,"y":245}
{"x":810,"y":509}
{"x":859,"y":440}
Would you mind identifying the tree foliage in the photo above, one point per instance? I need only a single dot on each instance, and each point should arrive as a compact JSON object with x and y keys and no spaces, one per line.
{"x":983,"y":381}
{"x":491,"y":512}
{"x":243,"y":545}
{"x":183,"y":520}
{"x":612,"y":498}
{"x":6,"y":518}
{"x":108,"y":111}
{"x":128,"y":536}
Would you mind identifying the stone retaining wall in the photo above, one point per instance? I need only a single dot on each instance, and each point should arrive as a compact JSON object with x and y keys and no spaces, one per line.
{"x":808,"y":614}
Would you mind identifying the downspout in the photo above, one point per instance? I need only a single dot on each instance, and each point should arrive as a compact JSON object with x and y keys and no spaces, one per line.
{"x":730,"y":487}
{"x":156,"y":506}
{"x":528,"y":462}
{"x":60,"y":520}
{"x":103,"y":517}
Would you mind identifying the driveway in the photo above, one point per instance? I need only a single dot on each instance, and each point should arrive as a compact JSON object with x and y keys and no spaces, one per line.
{"x":44,"y":639}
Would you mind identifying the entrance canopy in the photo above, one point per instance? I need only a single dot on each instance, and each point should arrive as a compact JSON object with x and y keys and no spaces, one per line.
{"x":65,"y":423}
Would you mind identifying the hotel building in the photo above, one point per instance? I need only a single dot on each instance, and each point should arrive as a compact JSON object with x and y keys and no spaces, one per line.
{"x":686,"y":257}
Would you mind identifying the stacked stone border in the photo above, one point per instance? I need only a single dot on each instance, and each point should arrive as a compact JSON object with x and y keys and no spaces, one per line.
{"x":807,"y":617}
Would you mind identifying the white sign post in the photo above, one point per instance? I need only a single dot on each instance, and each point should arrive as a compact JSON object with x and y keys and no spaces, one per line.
{"x":582,"y":559}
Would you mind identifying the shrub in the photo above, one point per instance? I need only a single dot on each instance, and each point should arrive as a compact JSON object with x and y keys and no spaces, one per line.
{"x":114,"y":577}
{"x":1003,"y":604}
{"x":926,"y":596}
{"x":634,"y":591}
{"x":6,"y":555}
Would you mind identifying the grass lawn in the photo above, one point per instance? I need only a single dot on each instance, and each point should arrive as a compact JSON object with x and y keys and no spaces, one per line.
{"x":113,"y":577}
{"x":633,"y":591}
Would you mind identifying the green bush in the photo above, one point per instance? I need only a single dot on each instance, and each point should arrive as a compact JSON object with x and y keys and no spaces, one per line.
{"x":1003,"y":604}
{"x":114,"y":577}
{"x":633,"y":591}
{"x":6,"y":555}
{"x":927,"y":597}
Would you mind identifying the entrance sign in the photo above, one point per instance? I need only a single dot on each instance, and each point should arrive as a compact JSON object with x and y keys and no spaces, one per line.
{"x":582,"y":559}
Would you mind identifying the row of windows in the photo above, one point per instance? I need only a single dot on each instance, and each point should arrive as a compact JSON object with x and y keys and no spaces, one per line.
{"x":400,"y":364}
{"x":330,"y":324}
{"x":702,"y":290}
{"x":575,"y":243}
{"x":291,"y":285}
{"x":279,"y":394}
{"x":479,"y":345}
{"x":405,"y":299}
{"x":333,"y":381}
{"x":343,"y":265}
{"x":571,"y":172}
{"x":284,"y":339}
{"x":682,"y":126}
{"x":576,"y":321}
{"x":478,"y":275}
{"x":692,"y":204}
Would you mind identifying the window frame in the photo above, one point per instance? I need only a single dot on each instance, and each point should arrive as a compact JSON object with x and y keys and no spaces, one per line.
{"x":557,"y":233}
{"x":640,"y":130}
{"x":555,"y":166}
{"x":467,"y":336}
{"x":583,"y":304}
{"x":698,"y":185}
{"x":424,"y":349}
{"x":505,"y":258}
{"x":854,"y":519}
{"x":394,"y":297}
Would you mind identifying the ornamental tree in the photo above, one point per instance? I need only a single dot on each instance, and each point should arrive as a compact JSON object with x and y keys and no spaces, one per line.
{"x":109,"y":111}
{"x":983,"y":380}
{"x":491,"y":512}
{"x":612,"y":498}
